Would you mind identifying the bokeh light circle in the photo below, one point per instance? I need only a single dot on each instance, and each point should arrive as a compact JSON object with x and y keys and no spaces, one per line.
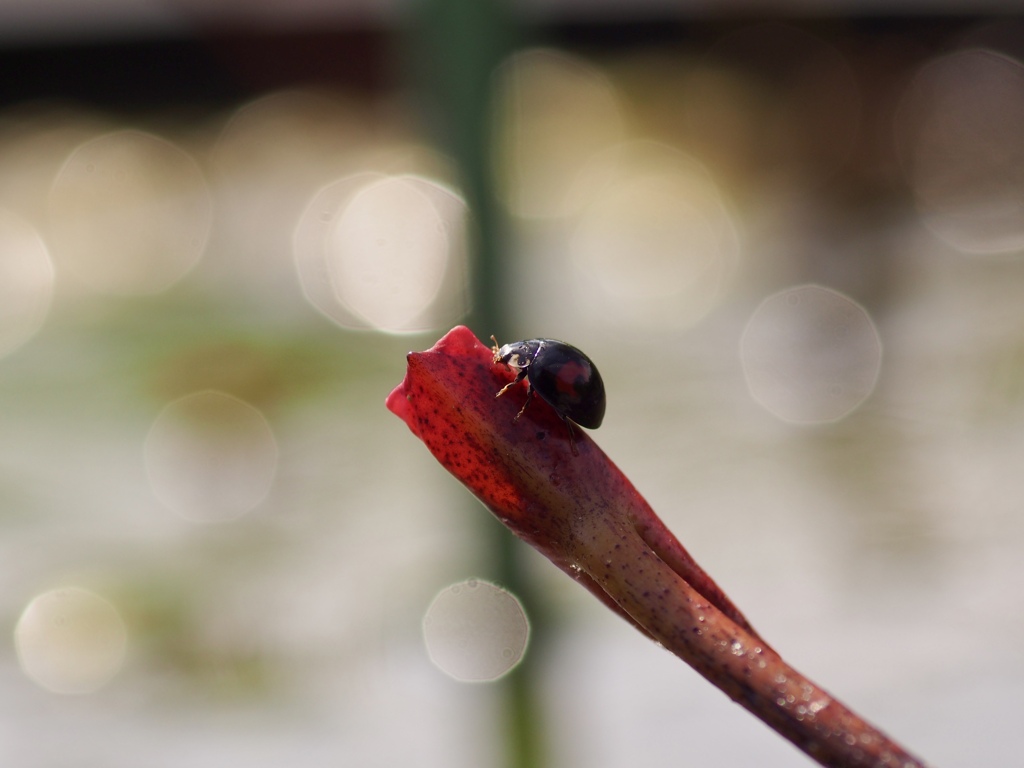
{"x":384,"y":252}
{"x":475,"y":631}
{"x":70,"y":640}
{"x":554,"y":113}
{"x":26,"y":282}
{"x":810,"y":355}
{"x":655,"y":245}
{"x":129,"y":213}
{"x":210,"y":457}
{"x":958,"y":132}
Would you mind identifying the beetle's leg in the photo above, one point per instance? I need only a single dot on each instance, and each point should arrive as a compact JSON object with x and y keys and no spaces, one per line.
{"x":529,"y":397}
{"x":519,"y":377}
{"x":572,"y":439}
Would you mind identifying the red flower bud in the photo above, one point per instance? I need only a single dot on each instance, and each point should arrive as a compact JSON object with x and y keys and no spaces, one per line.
{"x":586,"y":517}
{"x":579,"y":510}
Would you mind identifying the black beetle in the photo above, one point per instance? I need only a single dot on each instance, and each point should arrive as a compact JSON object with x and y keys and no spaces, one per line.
{"x":563,"y":377}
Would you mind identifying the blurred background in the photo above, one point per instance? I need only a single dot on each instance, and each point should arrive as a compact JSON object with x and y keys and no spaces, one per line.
{"x":791,"y":240}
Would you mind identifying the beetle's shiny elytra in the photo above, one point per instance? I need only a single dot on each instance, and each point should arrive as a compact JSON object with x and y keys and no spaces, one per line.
{"x":561,"y":375}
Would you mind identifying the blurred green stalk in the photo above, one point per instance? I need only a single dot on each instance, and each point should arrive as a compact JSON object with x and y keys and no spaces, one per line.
{"x":456,"y":46}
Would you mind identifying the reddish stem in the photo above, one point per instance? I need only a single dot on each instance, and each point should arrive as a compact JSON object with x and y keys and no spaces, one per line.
{"x":586,"y":517}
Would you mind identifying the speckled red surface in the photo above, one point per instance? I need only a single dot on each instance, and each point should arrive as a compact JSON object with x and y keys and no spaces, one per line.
{"x":571,"y":507}
{"x":585,"y":515}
